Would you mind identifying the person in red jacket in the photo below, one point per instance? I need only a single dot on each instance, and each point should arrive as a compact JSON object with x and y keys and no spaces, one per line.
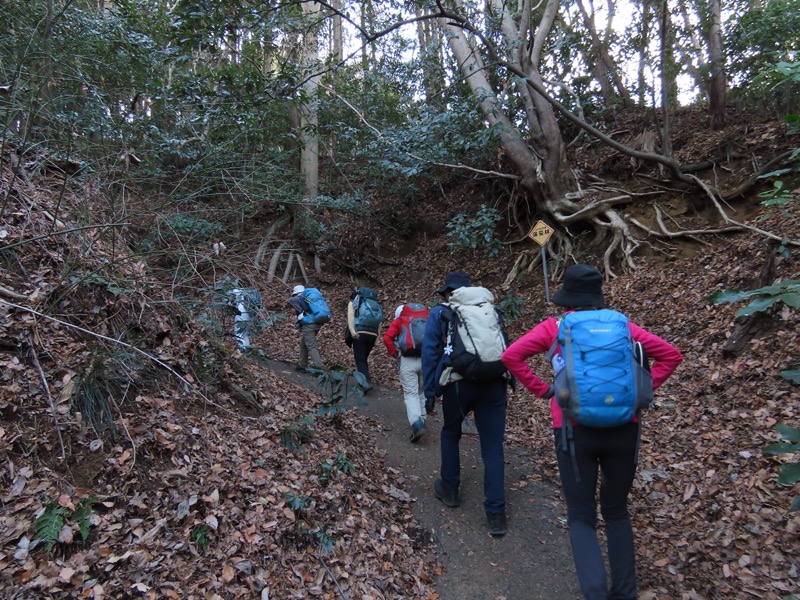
{"x":608,"y":452}
{"x":410,"y":367}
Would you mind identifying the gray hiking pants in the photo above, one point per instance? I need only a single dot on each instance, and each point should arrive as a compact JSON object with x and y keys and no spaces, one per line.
{"x":308,"y":345}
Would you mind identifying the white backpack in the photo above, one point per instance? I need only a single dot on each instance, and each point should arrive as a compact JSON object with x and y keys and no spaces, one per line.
{"x":475,"y":336}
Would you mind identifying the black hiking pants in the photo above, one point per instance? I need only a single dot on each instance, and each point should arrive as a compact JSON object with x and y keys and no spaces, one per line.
{"x":361,"y":350}
{"x":611,"y":454}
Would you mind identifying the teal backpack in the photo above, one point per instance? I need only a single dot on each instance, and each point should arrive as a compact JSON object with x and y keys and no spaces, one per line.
{"x":368,"y":312}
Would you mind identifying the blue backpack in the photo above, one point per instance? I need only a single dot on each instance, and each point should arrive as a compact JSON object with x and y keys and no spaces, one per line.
{"x":602,"y":377}
{"x":319,"y":311}
{"x":368,"y":312}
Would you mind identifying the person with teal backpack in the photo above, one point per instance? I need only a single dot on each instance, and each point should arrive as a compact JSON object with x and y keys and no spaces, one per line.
{"x":602,"y":380}
{"x":312,"y":313}
{"x":364,"y":318}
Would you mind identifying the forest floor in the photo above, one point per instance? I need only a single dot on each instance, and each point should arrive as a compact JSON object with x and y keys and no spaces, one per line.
{"x":532,"y":561}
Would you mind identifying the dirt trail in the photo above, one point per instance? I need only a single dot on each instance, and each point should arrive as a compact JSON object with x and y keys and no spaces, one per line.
{"x":532,"y":562}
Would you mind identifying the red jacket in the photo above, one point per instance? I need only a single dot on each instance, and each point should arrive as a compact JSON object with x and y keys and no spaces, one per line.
{"x":395,"y":329}
{"x":664,"y":355}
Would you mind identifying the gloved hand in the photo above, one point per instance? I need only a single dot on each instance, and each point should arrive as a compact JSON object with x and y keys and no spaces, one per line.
{"x":549,"y":393}
{"x":430,"y":406}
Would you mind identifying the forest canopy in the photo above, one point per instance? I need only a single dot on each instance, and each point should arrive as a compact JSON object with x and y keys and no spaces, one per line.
{"x":261,"y":107}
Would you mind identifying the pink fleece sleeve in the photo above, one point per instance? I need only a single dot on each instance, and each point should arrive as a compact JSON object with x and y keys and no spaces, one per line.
{"x":537,"y":340}
{"x":664,"y":355}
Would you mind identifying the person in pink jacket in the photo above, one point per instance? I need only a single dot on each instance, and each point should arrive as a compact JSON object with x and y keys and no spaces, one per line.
{"x":606,"y":452}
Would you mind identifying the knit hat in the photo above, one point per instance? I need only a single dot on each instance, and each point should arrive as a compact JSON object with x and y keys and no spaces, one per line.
{"x":583,"y":286}
{"x":453,"y":281}
{"x":398,"y":310}
{"x":298,"y":289}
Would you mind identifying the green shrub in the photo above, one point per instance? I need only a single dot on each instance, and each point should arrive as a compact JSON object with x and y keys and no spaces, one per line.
{"x":511,"y":307}
{"x":787,"y":292}
{"x":295,"y":435}
{"x":335,"y":384}
{"x":326,"y":470}
{"x":297,"y":502}
{"x":790,"y":471}
{"x":478,"y":232}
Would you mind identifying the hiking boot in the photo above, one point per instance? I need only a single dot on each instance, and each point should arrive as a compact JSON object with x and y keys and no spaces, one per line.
{"x":301,"y":369}
{"x":417,"y":429}
{"x":497,"y":524}
{"x":448,"y":497}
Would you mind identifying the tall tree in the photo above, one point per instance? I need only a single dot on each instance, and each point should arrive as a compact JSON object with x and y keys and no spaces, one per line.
{"x":536,"y":149}
{"x":606,"y":71}
{"x":716,"y":51}
{"x":309,"y":116}
{"x":667,"y":63}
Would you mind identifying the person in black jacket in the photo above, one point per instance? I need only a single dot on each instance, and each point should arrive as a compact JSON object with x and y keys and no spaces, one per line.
{"x":488,"y":401}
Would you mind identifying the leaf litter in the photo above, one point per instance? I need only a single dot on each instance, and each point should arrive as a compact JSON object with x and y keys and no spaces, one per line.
{"x":198,"y":495}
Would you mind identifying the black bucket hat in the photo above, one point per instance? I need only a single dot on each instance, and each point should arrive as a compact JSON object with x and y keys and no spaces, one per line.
{"x":453,"y":281}
{"x":583,"y":286}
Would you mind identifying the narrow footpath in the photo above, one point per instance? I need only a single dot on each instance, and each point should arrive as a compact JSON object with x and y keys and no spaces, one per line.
{"x":531,"y":562}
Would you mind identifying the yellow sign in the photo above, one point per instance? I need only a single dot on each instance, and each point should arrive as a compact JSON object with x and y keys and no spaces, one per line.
{"x":540,"y":233}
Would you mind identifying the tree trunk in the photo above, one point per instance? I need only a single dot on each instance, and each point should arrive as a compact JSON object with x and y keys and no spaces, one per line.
{"x":667,"y":77}
{"x":338,"y":45}
{"x":693,"y":32}
{"x":367,"y":20}
{"x":540,"y":166}
{"x":309,"y":118}
{"x":606,"y":71}
{"x":717,"y":90}
{"x":647,"y":13}
{"x":429,"y":40}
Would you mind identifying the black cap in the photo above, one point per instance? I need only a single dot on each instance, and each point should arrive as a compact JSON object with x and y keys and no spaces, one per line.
{"x":453,"y":281}
{"x":583,"y":286}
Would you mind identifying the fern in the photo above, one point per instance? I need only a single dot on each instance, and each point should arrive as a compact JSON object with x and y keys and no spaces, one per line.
{"x":82,"y":515}
{"x":295,"y":435}
{"x":200,"y":537}
{"x":49,"y":524}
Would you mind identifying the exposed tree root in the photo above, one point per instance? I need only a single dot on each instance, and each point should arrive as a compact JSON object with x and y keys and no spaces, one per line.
{"x":614,"y":231}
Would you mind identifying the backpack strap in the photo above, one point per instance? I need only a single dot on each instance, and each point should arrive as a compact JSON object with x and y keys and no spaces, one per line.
{"x":568,"y":443}
{"x":466,"y":328}
{"x":554,"y":347}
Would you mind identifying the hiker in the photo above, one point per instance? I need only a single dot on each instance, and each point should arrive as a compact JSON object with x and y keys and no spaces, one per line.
{"x":460,"y":395}
{"x":403,"y":341}
{"x":312,"y":313}
{"x":582,"y":451}
{"x":246,"y":301}
{"x":241,"y":318}
{"x":364,"y":317}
